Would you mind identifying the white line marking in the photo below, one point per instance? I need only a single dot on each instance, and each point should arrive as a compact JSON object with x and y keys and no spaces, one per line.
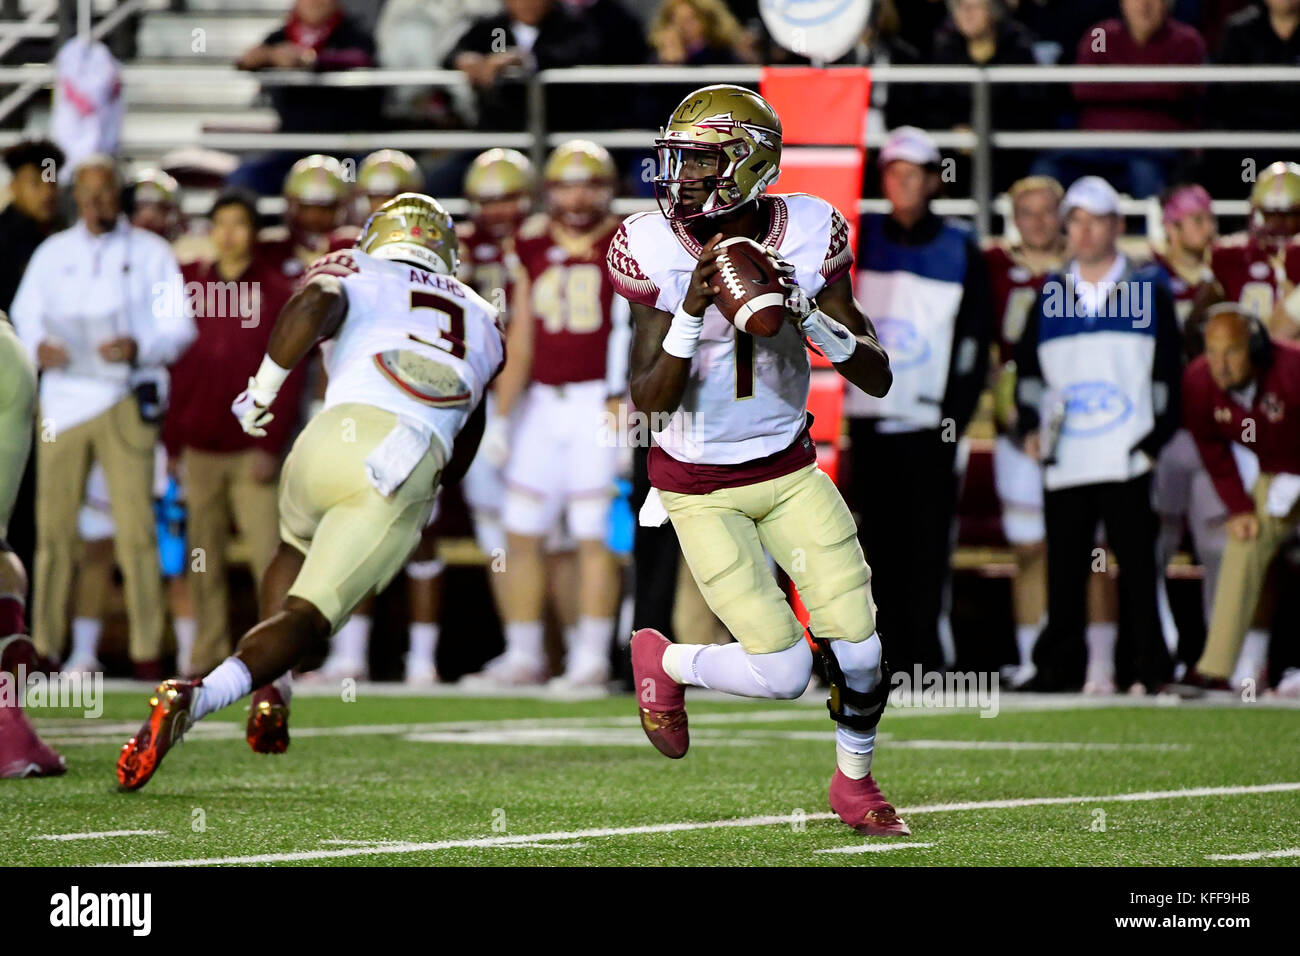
{"x":875,"y":847}
{"x":99,"y":835}
{"x":757,"y":821}
{"x":1257,"y":855}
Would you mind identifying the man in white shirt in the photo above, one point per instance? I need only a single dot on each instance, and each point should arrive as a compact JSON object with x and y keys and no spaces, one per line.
{"x":98,"y":311}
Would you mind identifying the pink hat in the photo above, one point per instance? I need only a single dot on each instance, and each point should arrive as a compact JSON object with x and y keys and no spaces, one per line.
{"x":1184,"y":201}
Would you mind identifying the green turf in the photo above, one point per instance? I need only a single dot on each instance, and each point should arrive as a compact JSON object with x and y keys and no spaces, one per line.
{"x":214,"y":798}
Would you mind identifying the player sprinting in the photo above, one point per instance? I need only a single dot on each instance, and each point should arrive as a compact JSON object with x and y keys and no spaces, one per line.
{"x":736,"y":470}
{"x":409,"y":352}
{"x":568,"y":348}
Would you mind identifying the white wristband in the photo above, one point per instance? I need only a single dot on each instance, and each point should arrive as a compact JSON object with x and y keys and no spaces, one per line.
{"x":684,"y":334}
{"x":265,"y":385}
{"x":832,"y":339}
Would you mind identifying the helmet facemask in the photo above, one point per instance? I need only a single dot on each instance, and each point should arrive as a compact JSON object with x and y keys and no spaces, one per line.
{"x":698,"y":179}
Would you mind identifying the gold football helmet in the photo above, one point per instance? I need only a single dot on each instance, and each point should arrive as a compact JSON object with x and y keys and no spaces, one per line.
{"x":415,"y":229}
{"x":499,"y":186}
{"x":579,"y":177}
{"x":1275,"y":204}
{"x":720,"y":149}
{"x":316,"y":180}
{"x":388,"y":172}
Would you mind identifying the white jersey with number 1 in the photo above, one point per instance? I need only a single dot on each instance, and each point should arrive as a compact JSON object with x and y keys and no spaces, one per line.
{"x":412,"y":342}
{"x":746,"y":395}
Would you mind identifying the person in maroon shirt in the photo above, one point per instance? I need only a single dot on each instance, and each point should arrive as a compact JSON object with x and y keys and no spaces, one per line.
{"x":1143,"y":35}
{"x":225,"y":473}
{"x":1244,"y":391}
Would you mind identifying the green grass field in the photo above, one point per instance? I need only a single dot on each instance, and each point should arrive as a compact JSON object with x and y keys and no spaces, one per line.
{"x":451,"y":780}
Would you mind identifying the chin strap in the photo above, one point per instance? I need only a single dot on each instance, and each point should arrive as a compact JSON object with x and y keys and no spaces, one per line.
{"x":869,"y":704}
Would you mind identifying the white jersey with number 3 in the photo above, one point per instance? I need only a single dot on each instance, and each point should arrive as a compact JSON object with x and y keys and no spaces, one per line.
{"x":415,"y":343}
{"x":746,"y":395}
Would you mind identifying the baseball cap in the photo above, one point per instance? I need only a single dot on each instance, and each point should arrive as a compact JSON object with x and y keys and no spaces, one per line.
{"x":911,"y":145}
{"x":1091,"y":194}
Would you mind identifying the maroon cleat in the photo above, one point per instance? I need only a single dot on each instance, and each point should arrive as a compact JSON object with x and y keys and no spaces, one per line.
{"x":861,"y":805}
{"x":169,"y":718}
{"x":267,"y":730}
{"x":662,"y":700}
{"x":22,"y":753}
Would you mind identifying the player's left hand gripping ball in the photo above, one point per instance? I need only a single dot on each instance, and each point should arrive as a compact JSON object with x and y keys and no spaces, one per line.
{"x":253,"y":414}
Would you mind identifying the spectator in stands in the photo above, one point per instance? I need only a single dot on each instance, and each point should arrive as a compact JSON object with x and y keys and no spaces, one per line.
{"x":318,"y":35}
{"x":1144,"y":35}
{"x":1098,"y":372}
{"x":32,"y":213}
{"x":1242,"y":394}
{"x":94,"y":311}
{"x":620,"y":38}
{"x":697,"y":33}
{"x":227,"y":475}
{"x":1264,"y":35}
{"x":924,"y":283}
{"x":497,"y":53}
{"x":978,"y":33}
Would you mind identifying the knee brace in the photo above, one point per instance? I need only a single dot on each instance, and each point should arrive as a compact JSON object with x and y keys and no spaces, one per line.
{"x":870,"y":705}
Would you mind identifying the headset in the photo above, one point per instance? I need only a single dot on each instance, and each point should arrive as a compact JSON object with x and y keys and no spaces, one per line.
{"x":1259,"y":344}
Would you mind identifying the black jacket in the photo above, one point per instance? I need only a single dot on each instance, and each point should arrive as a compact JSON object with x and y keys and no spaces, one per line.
{"x":19,"y":237}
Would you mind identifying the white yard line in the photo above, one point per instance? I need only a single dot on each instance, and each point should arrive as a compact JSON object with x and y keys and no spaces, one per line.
{"x":99,"y":835}
{"x":742,"y":822}
{"x":1257,"y":855}
{"x":876,"y":847}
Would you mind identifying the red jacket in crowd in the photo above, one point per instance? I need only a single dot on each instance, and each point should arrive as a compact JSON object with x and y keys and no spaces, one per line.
{"x":1216,"y":420}
{"x":1139,"y":106}
{"x":234,"y":320}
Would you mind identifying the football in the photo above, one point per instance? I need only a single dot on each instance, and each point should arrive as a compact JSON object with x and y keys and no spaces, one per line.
{"x":752,"y":298}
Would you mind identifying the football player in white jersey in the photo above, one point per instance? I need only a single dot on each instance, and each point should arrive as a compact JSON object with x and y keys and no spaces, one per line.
{"x":734,"y":468}
{"x":409,"y":350}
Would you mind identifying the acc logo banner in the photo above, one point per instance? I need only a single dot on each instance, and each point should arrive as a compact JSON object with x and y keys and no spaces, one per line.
{"x":906,"y":346}
{"x":1092,"y":408}
{"x":819,"y":29}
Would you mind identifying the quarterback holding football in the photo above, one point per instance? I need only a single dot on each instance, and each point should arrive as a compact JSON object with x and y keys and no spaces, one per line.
{"x":735,"y":469}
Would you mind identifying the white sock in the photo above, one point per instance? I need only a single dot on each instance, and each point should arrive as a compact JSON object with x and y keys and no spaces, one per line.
{"x":728,"y":668}
{"x":85,"y":637}
{"x":225,"y":685}
{"x":352,"y":641}
{"x":524,"y":639}
{"x":1101,"y":637}
{"x":186,"y":628}
{"x":424,"y":643}
{"x":1026,"y":638}
{"x":591,"y":638}
{"x":284,"y":684}
{"x":679,"y":660}
{"x":1252,"y":658}
{"x":860,"y":663}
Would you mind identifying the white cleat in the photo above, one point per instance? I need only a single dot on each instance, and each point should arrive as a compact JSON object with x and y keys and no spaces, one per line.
{"x":1099,"y":687}
{"x":593,"y":675}
{"x":506,"y":671}
{"x":82,"y":665}
{"x":420,"y":673}
{"x":336,"y":669}
{"x":1289,"y":685}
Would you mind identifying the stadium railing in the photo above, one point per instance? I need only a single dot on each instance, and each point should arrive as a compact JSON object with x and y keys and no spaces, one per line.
{"x":980,"y":141}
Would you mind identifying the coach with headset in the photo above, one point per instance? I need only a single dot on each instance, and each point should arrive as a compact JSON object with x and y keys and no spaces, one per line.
{"x":100,"y":313}
{"x":1244,"y":392}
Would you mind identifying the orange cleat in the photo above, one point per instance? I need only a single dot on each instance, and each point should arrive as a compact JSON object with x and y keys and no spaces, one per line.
{"x":861,"y":805}
{"x":267,"y":730}
{"x":167,"y":723}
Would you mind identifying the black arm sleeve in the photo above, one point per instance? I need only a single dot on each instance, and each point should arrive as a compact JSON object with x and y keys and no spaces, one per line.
{"x":1029,"y":373}
{"x":1166,"y":372}
{"x":968,"y":366}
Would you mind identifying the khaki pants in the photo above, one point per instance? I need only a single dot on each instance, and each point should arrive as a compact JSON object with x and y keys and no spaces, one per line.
{"x":803,"y":523}
{"x":355,"y":539}
{"x":124,"y":445}
{"x":219,"y":486}
{"x":1241,"y":581}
